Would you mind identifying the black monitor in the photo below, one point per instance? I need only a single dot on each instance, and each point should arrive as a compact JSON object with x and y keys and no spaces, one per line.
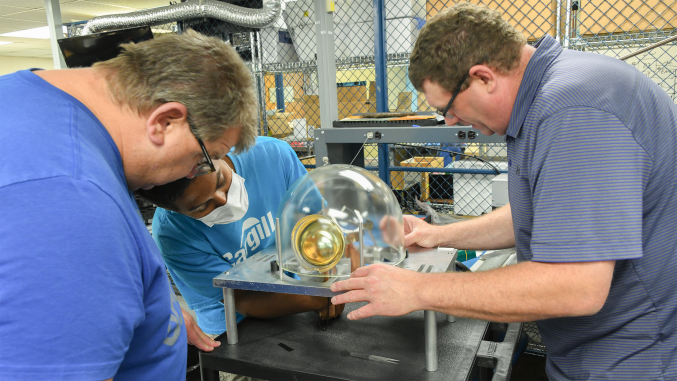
{"x":84,"y":51}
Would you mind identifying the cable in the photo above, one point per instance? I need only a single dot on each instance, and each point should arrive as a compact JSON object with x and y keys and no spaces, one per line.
{"x":358,"y":151}
{"x":498,"y":172}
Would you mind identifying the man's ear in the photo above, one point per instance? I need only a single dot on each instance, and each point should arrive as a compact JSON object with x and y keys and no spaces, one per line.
{"x":486,"y":75}
{"x":164,"y":119}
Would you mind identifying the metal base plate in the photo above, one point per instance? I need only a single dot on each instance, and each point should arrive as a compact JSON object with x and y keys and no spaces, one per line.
{"x":254,"y":273}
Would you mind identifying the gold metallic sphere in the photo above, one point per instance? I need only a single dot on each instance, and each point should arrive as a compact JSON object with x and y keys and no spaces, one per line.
{"x":317,"y":242}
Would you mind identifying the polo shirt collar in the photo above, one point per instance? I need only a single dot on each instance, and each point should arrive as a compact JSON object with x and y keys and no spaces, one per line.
{"x":547,"y":50}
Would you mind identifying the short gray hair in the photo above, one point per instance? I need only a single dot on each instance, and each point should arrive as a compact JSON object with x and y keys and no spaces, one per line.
{"x":203,"y":73}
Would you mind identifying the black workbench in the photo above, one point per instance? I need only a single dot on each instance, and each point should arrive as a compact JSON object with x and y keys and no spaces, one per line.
{"x":294,"y":348}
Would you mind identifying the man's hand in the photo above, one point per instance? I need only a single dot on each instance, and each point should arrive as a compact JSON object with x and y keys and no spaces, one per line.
{"x":391,"y":231}
{"x":417,"y":231}
{"x":389,"y":290}
{"x":334,"y":311}
{"x":196,"y":336}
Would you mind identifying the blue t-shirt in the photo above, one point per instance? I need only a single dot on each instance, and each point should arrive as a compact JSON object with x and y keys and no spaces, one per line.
{"x":83,"y":288}
{"x":592,"y":150}
{"x":195,"y":253}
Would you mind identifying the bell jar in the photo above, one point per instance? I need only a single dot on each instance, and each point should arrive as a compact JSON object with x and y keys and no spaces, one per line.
{"x":336,"y":219}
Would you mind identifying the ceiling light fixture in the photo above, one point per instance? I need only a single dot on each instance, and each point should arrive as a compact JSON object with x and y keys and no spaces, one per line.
{"x":39,"y":33}
{"x":5,"y":42}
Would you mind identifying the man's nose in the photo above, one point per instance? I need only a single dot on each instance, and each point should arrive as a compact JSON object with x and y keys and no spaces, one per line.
{"x":220,"y":198}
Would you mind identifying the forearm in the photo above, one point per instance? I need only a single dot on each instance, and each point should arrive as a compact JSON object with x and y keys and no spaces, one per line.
{"x":491,"y":231}
{"x":270,"y":304}
{"x":524,"y":292}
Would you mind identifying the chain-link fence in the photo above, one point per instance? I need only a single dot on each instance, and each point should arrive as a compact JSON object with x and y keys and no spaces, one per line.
{"x":284,"y":59}
{"x":355,"y":59}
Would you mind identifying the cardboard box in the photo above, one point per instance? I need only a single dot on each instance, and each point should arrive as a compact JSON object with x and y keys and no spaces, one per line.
{"x":279,"y":124}
{"x":308,"y":161}
{"x":397,"y":178}
{"x":346,"y":109}
{"x":423,"y":103}
{"x":352,"y":94}
{"x":404,"y":101}
{"x":311,"y":108}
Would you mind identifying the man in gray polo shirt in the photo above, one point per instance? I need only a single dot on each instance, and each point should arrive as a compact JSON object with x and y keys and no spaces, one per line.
{"x":592,"y":149}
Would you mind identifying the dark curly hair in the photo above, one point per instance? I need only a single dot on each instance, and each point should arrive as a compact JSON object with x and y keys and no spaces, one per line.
{"x":166,"y":195}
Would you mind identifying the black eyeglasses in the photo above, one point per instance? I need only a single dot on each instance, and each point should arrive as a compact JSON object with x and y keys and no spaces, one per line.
{"x":453,"y":96}
{"x":206,"y":166}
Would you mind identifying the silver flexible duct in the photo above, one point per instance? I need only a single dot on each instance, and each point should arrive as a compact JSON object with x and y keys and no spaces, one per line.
{"x":191,"y":9}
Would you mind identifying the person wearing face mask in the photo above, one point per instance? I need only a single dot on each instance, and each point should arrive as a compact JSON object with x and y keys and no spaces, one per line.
{"x":205,"y":225}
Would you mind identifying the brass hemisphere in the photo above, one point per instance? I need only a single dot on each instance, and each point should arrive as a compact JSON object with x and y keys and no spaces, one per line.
{"x":318,"y":242}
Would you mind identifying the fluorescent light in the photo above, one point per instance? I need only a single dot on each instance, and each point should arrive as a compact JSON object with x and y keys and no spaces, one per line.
{"x":5,"y":42}
{"x":40,"y":33}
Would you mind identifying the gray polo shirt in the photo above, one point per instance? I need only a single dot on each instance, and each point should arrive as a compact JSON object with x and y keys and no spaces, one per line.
{"x":592,"y":149}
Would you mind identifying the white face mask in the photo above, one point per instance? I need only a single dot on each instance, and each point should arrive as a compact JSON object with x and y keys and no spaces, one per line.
{"x":237,"y":203}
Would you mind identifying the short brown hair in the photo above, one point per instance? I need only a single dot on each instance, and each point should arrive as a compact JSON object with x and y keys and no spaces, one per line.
{"x":460,"y":37}
{"x":203,"y":73}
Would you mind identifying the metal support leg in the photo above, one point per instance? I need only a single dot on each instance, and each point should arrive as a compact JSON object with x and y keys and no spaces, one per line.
{"x":231,"y":318}
{"x":278,"y":244}
{"x":430,"y":341}
{"x":208,"y":374}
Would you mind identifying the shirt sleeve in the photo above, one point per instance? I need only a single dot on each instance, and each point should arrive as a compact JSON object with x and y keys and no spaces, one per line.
{"x":587,"y":178}
{"x":293,"y":166}
{"x":70,"y":283}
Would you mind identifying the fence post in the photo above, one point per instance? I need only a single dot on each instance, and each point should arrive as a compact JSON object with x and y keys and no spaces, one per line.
{"x":279,"y":91}
{"x":380,"y":56}
{"x":326,"y":64}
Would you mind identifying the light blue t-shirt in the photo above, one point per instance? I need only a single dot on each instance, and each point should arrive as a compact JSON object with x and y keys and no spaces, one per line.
{"x":592,"y":149}
{"x":83,"y":288}
{"x":195,"y":253}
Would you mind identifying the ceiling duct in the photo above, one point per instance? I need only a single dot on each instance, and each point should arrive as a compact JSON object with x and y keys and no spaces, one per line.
{"x":191,"y":9}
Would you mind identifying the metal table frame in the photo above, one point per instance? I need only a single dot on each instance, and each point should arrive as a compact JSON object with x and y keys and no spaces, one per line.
{"x":255,"y":274}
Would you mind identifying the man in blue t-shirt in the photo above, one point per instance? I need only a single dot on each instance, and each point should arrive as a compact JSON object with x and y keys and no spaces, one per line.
{"x":210,"y":223}
{"x":593,"y":198}
{"x":83,"y":288}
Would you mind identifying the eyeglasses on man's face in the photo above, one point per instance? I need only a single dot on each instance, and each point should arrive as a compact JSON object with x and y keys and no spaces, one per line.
{"x":206,"y":166}
{"x":453,"y":97}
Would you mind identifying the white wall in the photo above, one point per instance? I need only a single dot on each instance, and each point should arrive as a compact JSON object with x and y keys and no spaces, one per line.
{"x":10,"y":64}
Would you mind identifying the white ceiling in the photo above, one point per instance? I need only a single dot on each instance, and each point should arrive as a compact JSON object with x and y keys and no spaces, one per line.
{"x":24,"y":14}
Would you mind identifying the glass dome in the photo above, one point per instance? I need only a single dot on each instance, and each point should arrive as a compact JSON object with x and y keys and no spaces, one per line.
{"x":336,"y":219}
